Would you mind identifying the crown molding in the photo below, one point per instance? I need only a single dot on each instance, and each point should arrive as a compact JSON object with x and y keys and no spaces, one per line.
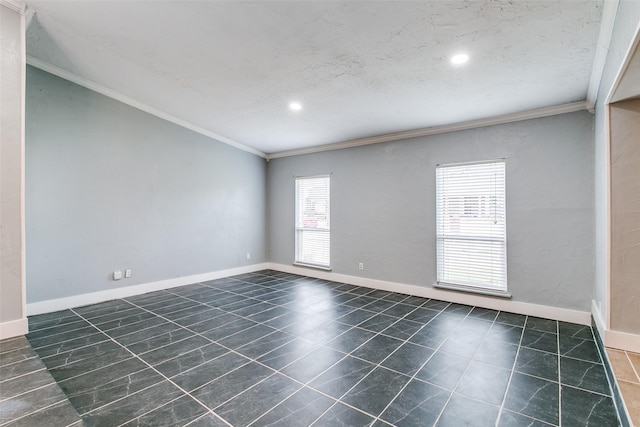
{"x":435,"y":130}
{"x":620,"y":75}
{"x":15,"y":5}
{"x":609,"y":11}
{"x":96,"y":87}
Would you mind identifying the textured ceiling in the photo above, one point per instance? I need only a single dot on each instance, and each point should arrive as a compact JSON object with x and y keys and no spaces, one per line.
{"x":359,"y":68}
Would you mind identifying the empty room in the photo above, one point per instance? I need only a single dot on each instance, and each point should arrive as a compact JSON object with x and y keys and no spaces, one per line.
{"x":320,"y":213}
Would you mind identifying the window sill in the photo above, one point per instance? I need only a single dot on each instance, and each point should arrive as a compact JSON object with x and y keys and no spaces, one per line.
{"x":468,"y":289}
{"x":317,"y":267}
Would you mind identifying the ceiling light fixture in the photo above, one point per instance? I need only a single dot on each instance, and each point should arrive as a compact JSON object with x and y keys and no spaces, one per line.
{"x":459,"y":59}
{"x":295,"y":106}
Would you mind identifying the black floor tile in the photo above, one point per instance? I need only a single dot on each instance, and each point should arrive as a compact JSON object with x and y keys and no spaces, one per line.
{"x":134,"y":406}
{"x":299,"y":410}
{"x":94,"y":390}
{"x":341,"y":415}
{"x":24,"y":383}
{"x":444,"y":370}
{"x":178,"y":412}
{"x":419,"y":405}
{"x":30,"y":402}
{"x":585,"y":375}
{"x":60,"y":414}
{"x":463,"y":411}
{"x":190,"y":360}
{"x":484,"y":382}
{"x":513,"y":419}
{"x":288,"y":353}
{"x":581,"y":408}
{"x":376,"y":391}
{"x":579,"y":349}
{"x":538,"y":363}
{"x":167,"y":339}
{"x":350,"y":340}
{"x":244,"y":347}
{"x":483,"y":314}
{"x":172,"y":350}
{"x":258,"y":400}
{"x":544,"y":325}
{"x":326,"y":332}
{"x":313,"y":364}
{"x":422,"y":315}
{"x":403,"y":329}
{"x":575,"y":331}
{"x":511,"y":319}
{"x":408,"y":358}
{"x":213,"y":369}
{"x":266,"y":344}
{"x":377,"y":349}
{"x":503,"y":333}
{"x":533,"y":397}
{"x":342,"y":376}
{"x":71,"y":370}
{"x":230,"y":385}
{"x":378,"y":323}
{"x":502,"y":356}
{"x":539,"y":340}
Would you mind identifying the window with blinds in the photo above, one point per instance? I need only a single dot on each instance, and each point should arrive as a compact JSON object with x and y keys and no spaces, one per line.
{"x":471,"y":227}
{"x":313,"y":221}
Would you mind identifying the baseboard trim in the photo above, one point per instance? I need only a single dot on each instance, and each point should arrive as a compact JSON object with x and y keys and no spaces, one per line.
{"x":14,"y":328}
{"x":96,"y":297}
{"x":614,"y":339}
{"x":494,"y":303}
{"x":622,"y":341}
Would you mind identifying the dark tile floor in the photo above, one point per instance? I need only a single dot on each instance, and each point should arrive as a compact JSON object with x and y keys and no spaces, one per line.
{"x":275,"y":349}
{"x":29,"y":396}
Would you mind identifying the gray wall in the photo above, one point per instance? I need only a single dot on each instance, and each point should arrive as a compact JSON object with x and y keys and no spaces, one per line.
{"x":383,"y":205}
{"x":627,"y":20}
{"x":11,"y":150}
{"x":110,"y":187}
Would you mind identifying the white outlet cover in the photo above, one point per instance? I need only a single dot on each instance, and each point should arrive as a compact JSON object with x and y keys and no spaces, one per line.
{"x":117,"y":275}
{"x":127,"y":273}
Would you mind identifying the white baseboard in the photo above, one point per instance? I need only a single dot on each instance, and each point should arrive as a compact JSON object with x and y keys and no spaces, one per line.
{"x":110,"y":294}
{"x":14,"y":328}
{"x":547,"y":312}
{"x":622,"y":341}
{"x":614,"y":339}
{"x":597,"y":318}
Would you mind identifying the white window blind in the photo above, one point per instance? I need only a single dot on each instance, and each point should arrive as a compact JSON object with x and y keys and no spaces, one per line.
{"x":471,"y":225}
{"x":313,"y":221}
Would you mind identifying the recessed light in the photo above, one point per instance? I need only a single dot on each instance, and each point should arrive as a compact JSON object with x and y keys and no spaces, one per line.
{"x":459,"y":59}
{"x":295,"y":106}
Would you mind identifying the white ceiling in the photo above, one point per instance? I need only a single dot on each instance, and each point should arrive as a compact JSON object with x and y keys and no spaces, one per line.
{"x":359,"y":68}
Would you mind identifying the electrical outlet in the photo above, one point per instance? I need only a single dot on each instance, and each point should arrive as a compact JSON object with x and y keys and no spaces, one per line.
{"x":360,"y":266}
{"x":248,"y":255}
{"x":117,"y":275}
{"x":127,"y":273}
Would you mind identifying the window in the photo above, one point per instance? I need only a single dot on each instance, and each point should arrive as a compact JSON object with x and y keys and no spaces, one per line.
{"x":313,"y":221}
{"x":471,"y":228}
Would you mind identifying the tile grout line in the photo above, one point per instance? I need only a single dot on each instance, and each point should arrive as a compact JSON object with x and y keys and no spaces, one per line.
{"x":465,"y":370}
{"x":158,"y":372}
{"x":269,"y":284}
{"x":559,"y":376}
{"x":350,"y":354}
{"x":513,"y":369}
{"x":635,"y":371}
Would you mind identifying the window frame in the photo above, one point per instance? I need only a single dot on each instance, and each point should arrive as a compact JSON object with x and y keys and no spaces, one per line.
{"x":300,"y":229}
{"x":468,"y":202}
